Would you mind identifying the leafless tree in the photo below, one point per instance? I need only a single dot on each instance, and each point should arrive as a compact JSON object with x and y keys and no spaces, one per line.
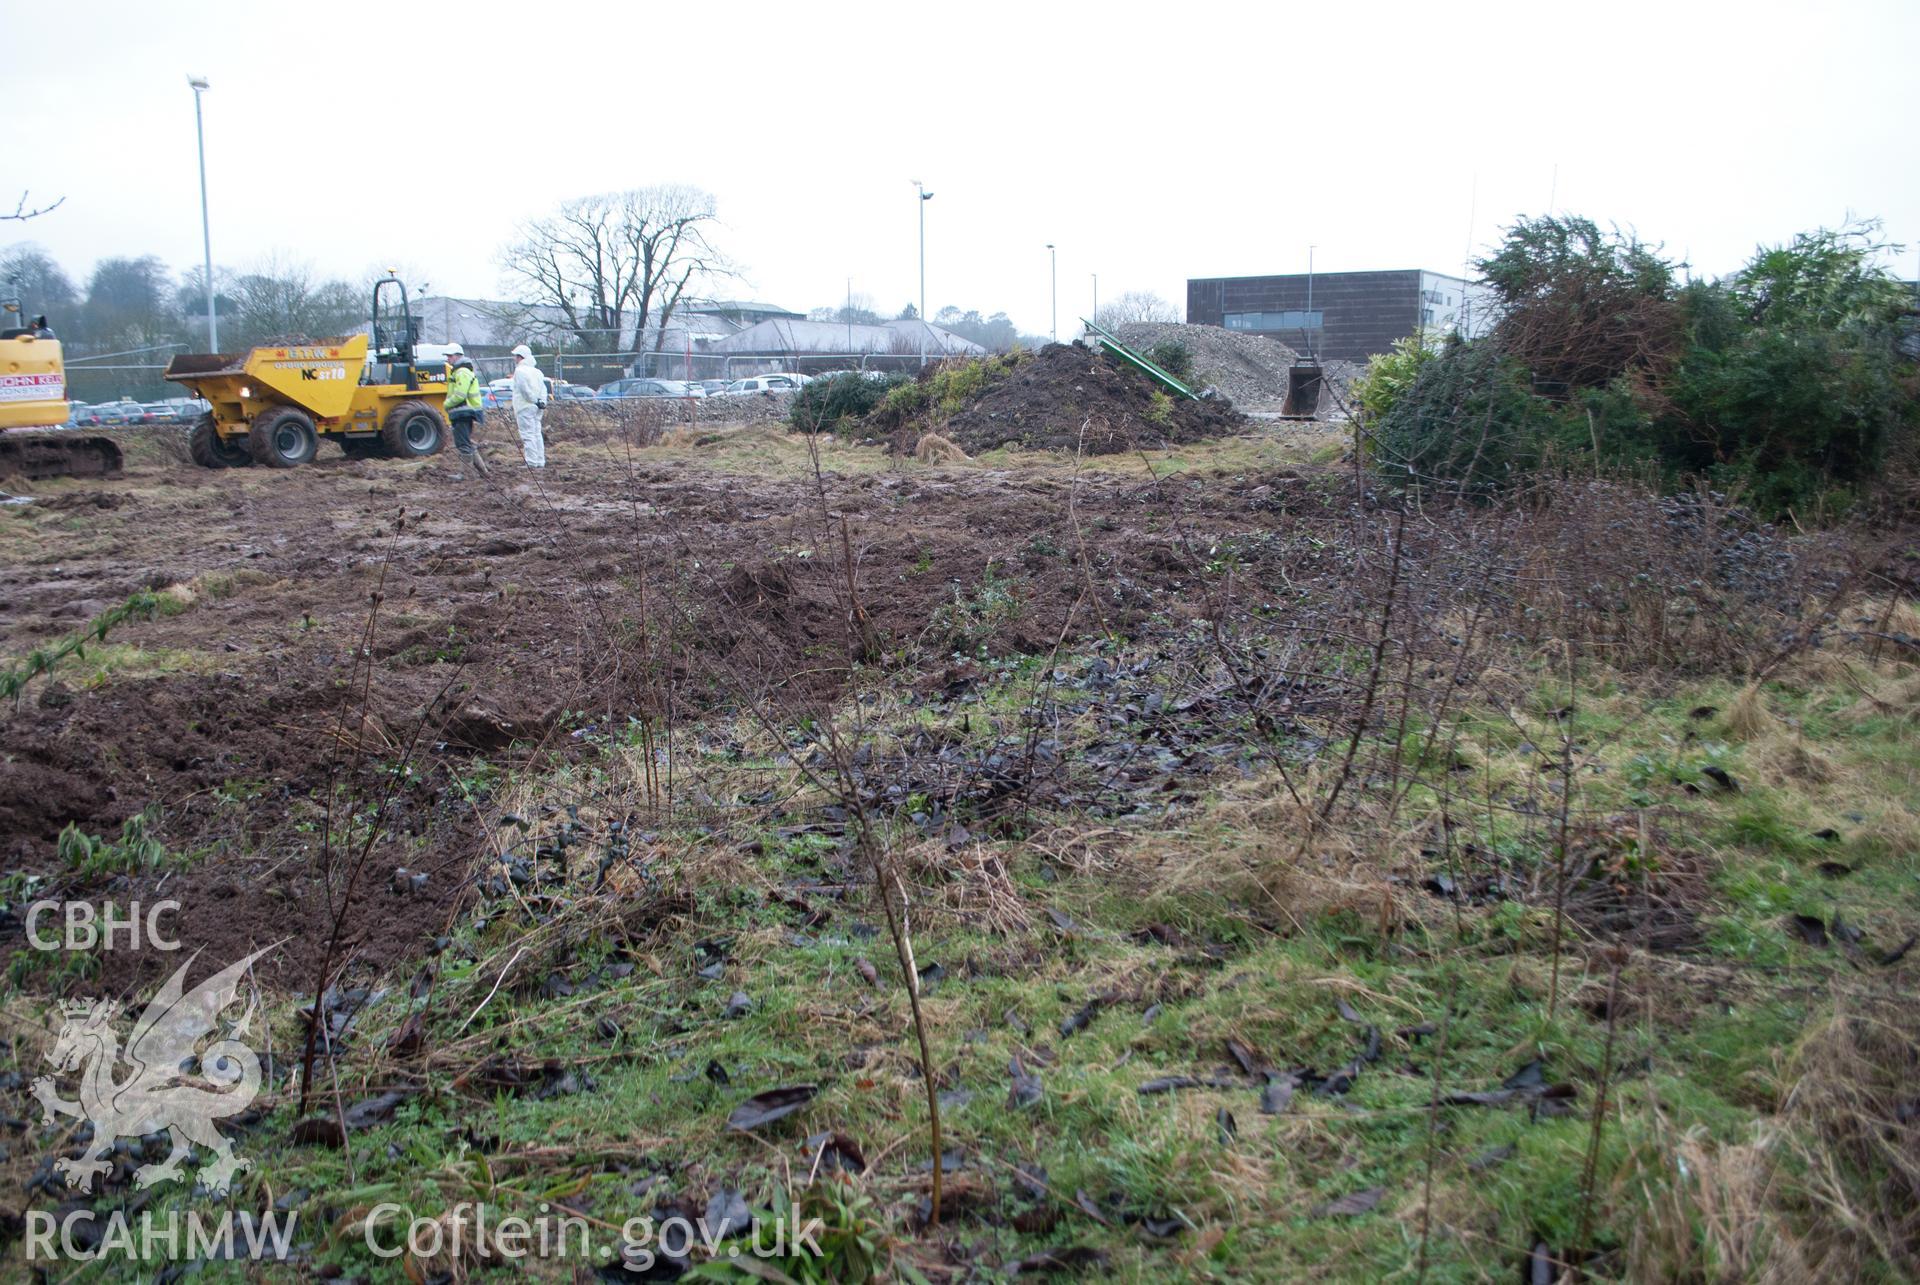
{"x":616,"y":265}
{"x":856,"y":311}
{"x":1136,"y":305}
{"x":22,"y":213}
{"x":281,"y":297}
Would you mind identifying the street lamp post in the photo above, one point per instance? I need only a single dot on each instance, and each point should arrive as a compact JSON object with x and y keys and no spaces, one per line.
{"x":199,"y":84}
{"x":925,"y":196}
{"x":1053,"y":258}
{"x":1307,"y":329}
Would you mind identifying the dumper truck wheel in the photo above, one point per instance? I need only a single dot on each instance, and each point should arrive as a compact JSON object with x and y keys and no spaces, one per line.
{"x":413,"y":429}
{"x":210,"y":450}
{"x":283,"y":438}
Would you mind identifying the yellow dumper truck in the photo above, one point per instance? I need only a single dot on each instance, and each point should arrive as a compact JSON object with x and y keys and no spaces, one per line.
{"x":272,"y":404}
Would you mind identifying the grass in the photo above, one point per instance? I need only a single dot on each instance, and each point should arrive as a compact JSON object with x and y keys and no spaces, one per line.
{"x":1697,"y":1062}
{"x":105,"y":663}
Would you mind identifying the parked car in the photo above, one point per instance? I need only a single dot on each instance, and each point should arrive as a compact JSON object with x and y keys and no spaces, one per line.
{"x":161,"y":413}
{"x":871,"y":376}
{"x":77,"y":413}
{"x":650,"y":388}
{"x":494,"y":397}
{"x":764,"y":384}
{"x":712,"y":387}
{"x":186,"y":410}
{"x":112,"y":413}
{"x":564,"y":391}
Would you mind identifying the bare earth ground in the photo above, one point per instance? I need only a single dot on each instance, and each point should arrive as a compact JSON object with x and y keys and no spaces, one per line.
{"x":227,"y":716}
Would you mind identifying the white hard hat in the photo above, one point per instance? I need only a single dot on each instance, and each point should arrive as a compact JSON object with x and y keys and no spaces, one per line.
{"x":521,"y":350}
{"x":455,"y":350}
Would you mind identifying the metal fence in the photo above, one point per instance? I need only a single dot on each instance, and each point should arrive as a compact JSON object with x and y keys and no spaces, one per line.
{"x":600,"y":368}
{"x":99,"y":378}
{"x":96,"y":383}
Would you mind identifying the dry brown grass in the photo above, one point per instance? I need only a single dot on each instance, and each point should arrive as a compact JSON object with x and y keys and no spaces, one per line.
{"x":1749,"y":718}
{"x":1894,"y":828}
{"x":1894,"y":696}
{"x":1853,"y":1133}
{"x":1827,"y":1188}
{"x":1709,"y":1212}
{"x":1788,"y":759}
{"x":1270,"y":853}
{"x":1891,"y":618}
{"x":1777,"y":749}
{"x":969,"y":882}
{"x":935,"y":449}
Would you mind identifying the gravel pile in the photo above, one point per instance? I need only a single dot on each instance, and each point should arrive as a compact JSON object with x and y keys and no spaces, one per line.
{"x":1250,"y":370}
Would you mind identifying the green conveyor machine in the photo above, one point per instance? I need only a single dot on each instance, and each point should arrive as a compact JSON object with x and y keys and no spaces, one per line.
{"x":1104,"y":339}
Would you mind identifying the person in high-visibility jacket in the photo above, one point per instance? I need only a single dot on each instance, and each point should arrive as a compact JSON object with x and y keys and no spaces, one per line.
{"x":464,"y":410}
{"x":529,"y":399}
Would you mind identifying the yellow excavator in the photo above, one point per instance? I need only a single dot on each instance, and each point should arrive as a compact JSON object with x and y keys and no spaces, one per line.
{"x":34,"y":408}
{"x":272,"y":404}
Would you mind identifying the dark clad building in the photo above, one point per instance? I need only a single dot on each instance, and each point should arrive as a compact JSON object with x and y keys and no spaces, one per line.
{"x":1336,"y":316}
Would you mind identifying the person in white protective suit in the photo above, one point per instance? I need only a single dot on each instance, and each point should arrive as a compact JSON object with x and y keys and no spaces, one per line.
{"x":529,"y":399}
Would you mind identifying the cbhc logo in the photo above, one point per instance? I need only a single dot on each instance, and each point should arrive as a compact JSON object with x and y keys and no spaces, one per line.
{"x":84,"y":927}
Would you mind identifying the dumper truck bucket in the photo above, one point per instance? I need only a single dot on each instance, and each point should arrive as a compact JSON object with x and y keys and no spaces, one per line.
{"x":206,"y":363}
{"x":319,"y":378}
{"x":1304,"y":381}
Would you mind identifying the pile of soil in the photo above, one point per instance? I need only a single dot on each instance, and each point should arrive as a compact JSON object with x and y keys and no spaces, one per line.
{"x":1046,"y":400}
{"x":1250,"y":370}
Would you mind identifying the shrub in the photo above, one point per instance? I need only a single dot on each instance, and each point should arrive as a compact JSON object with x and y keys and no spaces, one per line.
{"x":954,"y":384}
{"x":1159,"y":410}
{"x":908,"y":399}
{"x":972,"y":624}
{"x":824,"y":403}
{"x":1173,"y":357}
{"x":1390,"y":374}
{"x":945,"y":389}
{"x":1784,"y":382}
{"x":1794,"y":384}
{"x":1577,"y":307}
{"x":1466,"y":418}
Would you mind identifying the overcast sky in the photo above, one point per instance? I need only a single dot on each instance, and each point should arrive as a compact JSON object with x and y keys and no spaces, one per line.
{"x":1150,"y":142}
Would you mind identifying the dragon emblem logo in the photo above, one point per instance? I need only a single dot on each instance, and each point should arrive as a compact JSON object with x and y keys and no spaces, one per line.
{"x":173,"y":1084}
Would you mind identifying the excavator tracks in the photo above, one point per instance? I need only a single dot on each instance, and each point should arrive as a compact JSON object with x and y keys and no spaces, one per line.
{"x":35,"y":454}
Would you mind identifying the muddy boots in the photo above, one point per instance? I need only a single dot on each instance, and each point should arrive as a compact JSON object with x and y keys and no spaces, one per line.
{"x":470,"y":460}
